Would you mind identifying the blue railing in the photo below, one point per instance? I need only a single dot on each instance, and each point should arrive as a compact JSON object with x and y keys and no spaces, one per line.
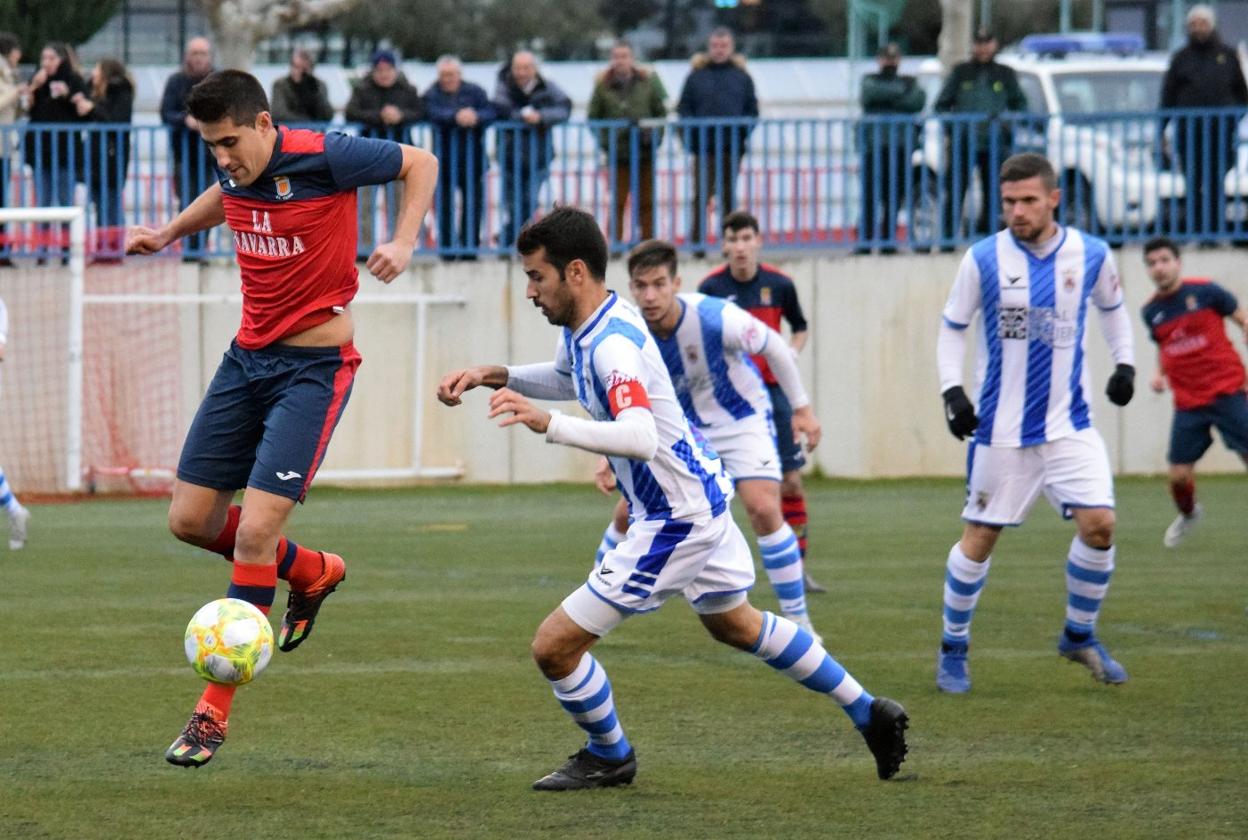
{"x":872,"y":183}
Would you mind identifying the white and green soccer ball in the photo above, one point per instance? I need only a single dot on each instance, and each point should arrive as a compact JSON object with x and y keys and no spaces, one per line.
{"x":229,"y":641}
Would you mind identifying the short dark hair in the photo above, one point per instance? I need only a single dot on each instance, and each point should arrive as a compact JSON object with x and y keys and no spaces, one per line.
{"x":739,"y":220}
{"x":567,"y":234}
{"x":1157,"y":243}
{"x":8,"y":43}
{"x":228,"y":93}
{"x":651,"y":254}
{"x":1028,"y":165}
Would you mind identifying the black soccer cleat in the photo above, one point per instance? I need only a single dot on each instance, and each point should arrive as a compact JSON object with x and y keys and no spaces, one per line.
{"x":586,"y":770}
{"x":886,"y":736}
{"x":200,"y":739}
{"x":302,"y":607}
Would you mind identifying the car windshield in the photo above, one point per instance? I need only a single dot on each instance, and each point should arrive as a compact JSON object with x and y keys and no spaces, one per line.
{"x":1091,"y":93}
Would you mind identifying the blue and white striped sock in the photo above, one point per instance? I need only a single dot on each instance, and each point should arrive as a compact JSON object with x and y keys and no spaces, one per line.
{"x":1088,"y":571}
{"x":792,"y":651}
{"x":610,"y":539}
{"x":782,"y":560}
{"x":964,"y":580}
{"x":586,"y":695}
{"x":7,"y":499}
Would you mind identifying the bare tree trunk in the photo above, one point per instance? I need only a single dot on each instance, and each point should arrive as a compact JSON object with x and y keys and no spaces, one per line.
{"x":238,"y":25}
{"x":954,"y":44}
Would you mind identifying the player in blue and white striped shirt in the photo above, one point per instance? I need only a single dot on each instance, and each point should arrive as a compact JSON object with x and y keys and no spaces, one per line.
{"x":1034,"y":285}
{"x":682,"y":540}
{"x":706,"y":344}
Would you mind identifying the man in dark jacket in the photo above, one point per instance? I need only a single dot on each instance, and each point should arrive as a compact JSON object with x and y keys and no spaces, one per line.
{"x":193,"y":168}
{"x":883,"y":144}
{"x":460,"y":112}
{"x":979,"y":86}
{"x":717,"y":88}
{"x":387,"y":106}
{"x":1204,"y":74}
{"x":525,"y":151}
{"x":300,"y":97}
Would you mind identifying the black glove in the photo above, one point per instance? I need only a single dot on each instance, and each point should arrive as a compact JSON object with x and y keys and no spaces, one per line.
{"x":1121,"y":385}
{"x":959,"y":413}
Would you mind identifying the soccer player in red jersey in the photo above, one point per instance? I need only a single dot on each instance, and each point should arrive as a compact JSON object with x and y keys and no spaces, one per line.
{"x":289,"y":197}
{"x":770,"y":296}
{"x":1203,"y":369}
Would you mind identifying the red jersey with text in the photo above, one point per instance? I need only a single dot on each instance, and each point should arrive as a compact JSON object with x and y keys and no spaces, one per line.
{"x":1196,"y":356}
{"x":295,"y":229}
{"x":770,"y":297}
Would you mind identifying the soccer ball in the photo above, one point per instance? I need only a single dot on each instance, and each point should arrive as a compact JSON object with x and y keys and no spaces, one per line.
{"x":228,"y":641}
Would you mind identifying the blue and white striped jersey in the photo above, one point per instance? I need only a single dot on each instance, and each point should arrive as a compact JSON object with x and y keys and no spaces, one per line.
{"x":686,"y":478}
{"x":1030,"y":375}
{"x":708,"y":358}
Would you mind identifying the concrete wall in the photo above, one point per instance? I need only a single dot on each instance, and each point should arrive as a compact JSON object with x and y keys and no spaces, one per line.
{"x":870,"y":366}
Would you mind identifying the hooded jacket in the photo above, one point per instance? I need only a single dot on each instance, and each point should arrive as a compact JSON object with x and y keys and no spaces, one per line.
{"x":711,"y":90}
{"x":509,"y":99}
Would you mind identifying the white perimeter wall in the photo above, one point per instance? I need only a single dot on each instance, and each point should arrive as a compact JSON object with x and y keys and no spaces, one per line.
{"x":870,"y":366}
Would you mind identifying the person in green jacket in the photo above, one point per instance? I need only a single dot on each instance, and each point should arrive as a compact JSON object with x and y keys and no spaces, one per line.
{"x":883,"y":143}
{"x":978,"y":86}
{"x":625,"y":91}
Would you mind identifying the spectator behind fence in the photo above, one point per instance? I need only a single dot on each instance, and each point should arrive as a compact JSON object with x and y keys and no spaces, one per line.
{"x":717,"y":87}
{"x":525,"y":153}
{"x":460,"y":112}
{"x":300,"y":97}
{"x":54,"y":152}
{"x":387,"y":106}
{"x":625,"y":91}
{"x":111,"y":101}
{"x":10,"y":109}
{"x":984,"y":87}
{"x":1204,"y":74}
{"x":884,"y":144}
{"x":193,"y":167}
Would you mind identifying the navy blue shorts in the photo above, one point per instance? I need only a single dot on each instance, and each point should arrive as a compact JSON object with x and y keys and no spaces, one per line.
{"x":791,"y":457}
{"x":1191,"y":433}
{"x":267,"y":418}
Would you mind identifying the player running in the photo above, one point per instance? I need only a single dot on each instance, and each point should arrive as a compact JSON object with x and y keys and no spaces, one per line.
{"x":288,"y":196}
{"x":681,"y":540}
{"x":1205,"y":373}
{"x":1032,"y":283}
{"x":706,"y":344}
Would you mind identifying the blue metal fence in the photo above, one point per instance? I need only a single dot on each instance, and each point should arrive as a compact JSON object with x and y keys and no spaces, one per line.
{"x":872,"y":183}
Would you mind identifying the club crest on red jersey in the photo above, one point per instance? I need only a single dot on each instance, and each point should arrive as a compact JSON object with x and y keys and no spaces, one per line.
{"x":764,"y":295}
{"x":282,"y":184}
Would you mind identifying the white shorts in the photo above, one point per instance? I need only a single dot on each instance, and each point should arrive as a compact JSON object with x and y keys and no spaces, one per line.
{"x":706,"y":560}
{"x":1004,"y":482}
{"x":747,"y":447}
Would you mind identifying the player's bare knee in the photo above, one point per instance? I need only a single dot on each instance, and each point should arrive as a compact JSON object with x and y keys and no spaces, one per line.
{"x":189,"y":528}
{"x":255,"y":544}
{"x":732,"y":628}
{"x":791,"y":484}
{"x":765,"y":519}
{"x":1097,"y":528}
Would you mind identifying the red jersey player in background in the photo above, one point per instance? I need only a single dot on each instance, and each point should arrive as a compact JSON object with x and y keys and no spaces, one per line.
{"x":1204,"y":370}
{"x":770,"y":296}
{"x":288,"y":196}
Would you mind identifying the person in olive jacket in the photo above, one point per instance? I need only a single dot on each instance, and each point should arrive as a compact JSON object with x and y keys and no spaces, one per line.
{"x":111,"y":101}
{"x":718,"y":86}
{"x":625,"y":91}
{"x":299,"y":96}
{"x":884,"y":143}
{"x":978,"y":86}
{"x":53,"y":150}
{"x":1204,"y":74}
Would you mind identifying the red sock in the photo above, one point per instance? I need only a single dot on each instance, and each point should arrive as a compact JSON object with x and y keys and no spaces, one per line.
{"x":224,"y":543}
{"x":794,"y":510}
{"x":255,"y":585}
{"x":298,"y":565}
{"x":219,"y":697}
{"x":1184,"y":493}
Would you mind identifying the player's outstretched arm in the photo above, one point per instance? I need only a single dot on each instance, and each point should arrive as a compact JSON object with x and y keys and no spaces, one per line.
{"x":457,"y":382}
{"x":206,"y":211}
{"x":419,"y":174}
{"x":507,"y":402}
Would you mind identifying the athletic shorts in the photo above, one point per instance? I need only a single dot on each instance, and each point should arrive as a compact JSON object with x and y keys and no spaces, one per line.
{"x":747,"y":447}
{"x":791,"y":457}
{"x":1004,"y":482}
{"x":707,"y":560}
{"x":267,"y":418}
{"x":1191,"y":432}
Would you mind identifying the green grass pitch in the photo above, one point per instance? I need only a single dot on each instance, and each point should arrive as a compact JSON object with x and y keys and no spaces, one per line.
{"x":415,"y":711}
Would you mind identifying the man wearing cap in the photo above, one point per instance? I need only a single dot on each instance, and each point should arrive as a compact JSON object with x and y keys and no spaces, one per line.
{"x":883,"y":143}
{"x":980,"y":86}
{"x":386,"y":105}
{"x":1204,"y":74}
